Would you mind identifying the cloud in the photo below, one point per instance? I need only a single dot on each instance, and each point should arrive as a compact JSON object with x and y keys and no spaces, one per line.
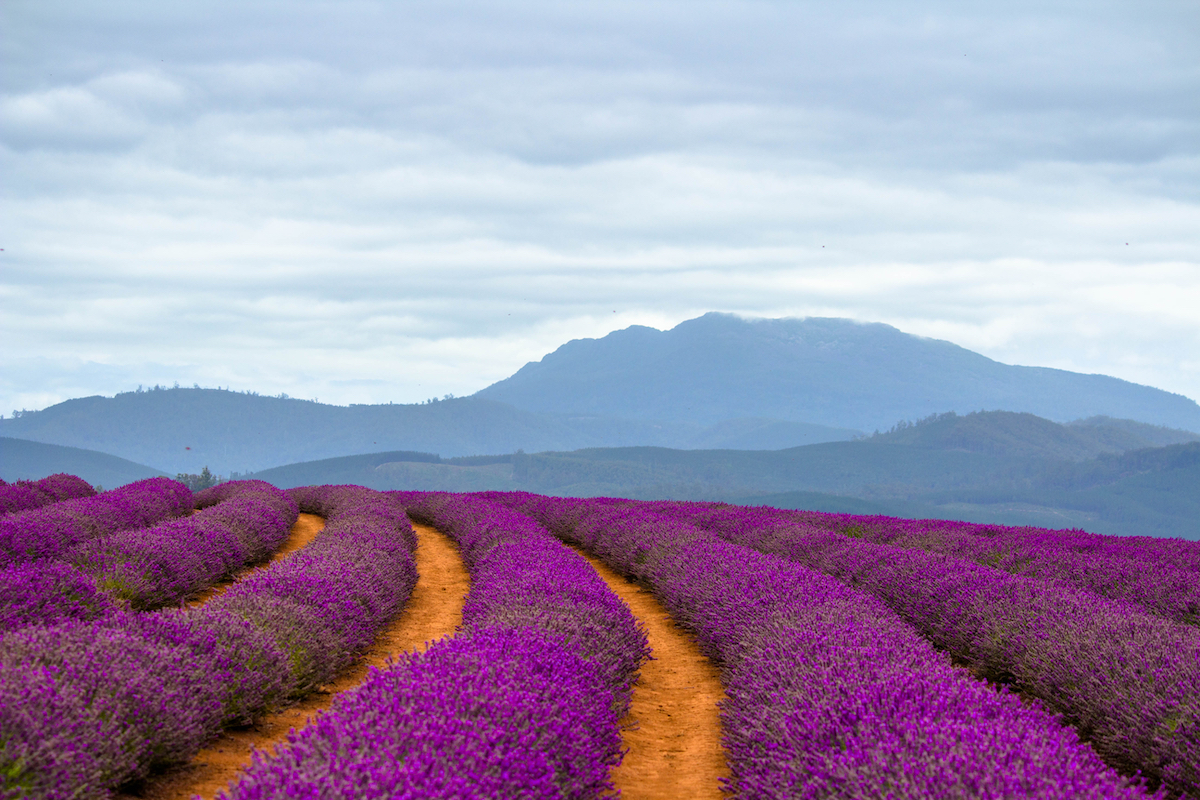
{"x":369,"y":202}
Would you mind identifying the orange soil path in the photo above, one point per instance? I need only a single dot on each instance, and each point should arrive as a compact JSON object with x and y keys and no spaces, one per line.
{"x":433,"y":611}
{"x":674,"y":733}
{"x":307,"y":526}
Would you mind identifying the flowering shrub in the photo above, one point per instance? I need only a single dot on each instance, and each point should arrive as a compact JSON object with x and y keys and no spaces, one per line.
{"x":86,"y":705}
{"x":49,"y":531}
{"x":26,"y":495}
{"x":1160,"y":575}
{"x":47,"y":592}
{"x":1124,"y":677}
{"x":147,"y":568}
{"x":829,"y":693}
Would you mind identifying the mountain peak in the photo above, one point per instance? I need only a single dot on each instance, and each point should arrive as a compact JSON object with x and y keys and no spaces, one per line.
{"x":822,"y":370}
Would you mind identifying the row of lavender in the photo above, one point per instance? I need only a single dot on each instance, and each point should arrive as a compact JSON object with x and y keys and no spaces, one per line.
{"x":1125,"y":678}
{"x":523,"y":702}
{"x":86,"y":705}
{"x":829,"y":693}
{"x":49,"y":531}
{"x":26,"y":495}
{"x":238,"y":524}
{"x":1161,"y":575}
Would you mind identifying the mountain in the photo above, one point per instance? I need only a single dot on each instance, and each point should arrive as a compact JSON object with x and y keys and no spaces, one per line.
{"x":184,"y":430}
{"x":832,"y":372}
{"x":995,"y":467}
{"x":715,"y":382}
{"x":25,"y":460}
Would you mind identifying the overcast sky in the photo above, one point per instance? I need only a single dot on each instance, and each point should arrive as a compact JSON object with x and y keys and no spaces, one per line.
{"x":371,"y":202}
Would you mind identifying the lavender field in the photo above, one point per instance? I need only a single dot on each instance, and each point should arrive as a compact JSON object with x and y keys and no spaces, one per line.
{"x":858,"y":657}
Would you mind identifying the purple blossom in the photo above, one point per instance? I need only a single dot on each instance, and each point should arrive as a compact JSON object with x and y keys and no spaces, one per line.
{"x":26,"y":495}
{"x":88,"y":705}
{"x":46,"y":593}
{"x":49,"y":531}
{"x":829,"y":693}
{"x":146,"y":568}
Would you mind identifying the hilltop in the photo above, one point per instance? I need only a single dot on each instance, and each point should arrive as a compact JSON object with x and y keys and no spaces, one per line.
{"x":833,"y":372}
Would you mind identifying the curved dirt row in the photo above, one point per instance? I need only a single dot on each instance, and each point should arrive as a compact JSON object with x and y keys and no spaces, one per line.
{"x":673,"y":729}
{"x":433,"y":611}
{"x":305,"y":529}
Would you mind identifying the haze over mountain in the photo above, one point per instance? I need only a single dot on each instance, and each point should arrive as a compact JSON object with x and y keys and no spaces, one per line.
{"x":184,"y":430}
{"x":834,"y":372}
{"x":1105,"y":475}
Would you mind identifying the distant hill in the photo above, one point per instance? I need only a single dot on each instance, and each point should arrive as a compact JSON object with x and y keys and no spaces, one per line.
{"x":25,"y":460}
{"x":1023,"y":434}
{"x":989,"y":467}
{"x":832,"y":372}
{"x":184,"y":430}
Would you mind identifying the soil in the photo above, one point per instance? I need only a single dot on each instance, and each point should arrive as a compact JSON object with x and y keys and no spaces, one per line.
{"x":673,"y":730}
{"x":433,"y":611}
{"x":307,"y":526}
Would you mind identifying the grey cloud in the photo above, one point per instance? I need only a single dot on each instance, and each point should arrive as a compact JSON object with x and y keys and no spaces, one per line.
{"x":296,"y":196}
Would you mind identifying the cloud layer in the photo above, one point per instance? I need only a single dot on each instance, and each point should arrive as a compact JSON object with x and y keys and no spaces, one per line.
{"x":366,"y":202}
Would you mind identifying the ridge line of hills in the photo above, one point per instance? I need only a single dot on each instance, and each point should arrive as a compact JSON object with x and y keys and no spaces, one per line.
{"x":1103,"y":475}
{"x":714,"y":382}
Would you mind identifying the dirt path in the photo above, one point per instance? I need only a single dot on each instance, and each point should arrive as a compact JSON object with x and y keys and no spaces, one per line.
{"x":433,"y":611}
{"x":306,"y":528}
{"x":675,"y":736}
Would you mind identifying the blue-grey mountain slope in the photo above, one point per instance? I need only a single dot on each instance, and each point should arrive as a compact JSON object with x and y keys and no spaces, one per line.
{"x":184,"y":430}
{"x":833,"y":372}
{"x":25,"y":460}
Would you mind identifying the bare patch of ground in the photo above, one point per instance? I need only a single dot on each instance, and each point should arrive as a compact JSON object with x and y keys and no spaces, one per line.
{"x":673,"y":727}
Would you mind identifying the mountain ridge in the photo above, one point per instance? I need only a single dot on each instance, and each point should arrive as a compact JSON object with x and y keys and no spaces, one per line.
{"x":827,"y":371}
{"x":186,"y":429}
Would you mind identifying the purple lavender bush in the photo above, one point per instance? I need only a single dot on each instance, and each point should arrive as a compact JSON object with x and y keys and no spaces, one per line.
{"x":1180,"y":553}
{"x":85,"y":706}
{"x":165,"y":565}
{"x":1124,"y":678}
{"x":829,"y":693}
{"x":523,"y":702}
{"x":88,"y":705}
{"x":1160,"y":575}
{"x":49,"y":531}
{"x":26,"y":495}
{"x":496,"y":713}
{"x":325,"y":602}
{"x":524,"y":577}
{"x":146,"y":568}
{"x":48,"y":592}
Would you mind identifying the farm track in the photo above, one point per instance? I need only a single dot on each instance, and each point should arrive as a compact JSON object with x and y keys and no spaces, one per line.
{"x":673,"y":729}
{"x":306,"y":528}
{"x":433,"y":611}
